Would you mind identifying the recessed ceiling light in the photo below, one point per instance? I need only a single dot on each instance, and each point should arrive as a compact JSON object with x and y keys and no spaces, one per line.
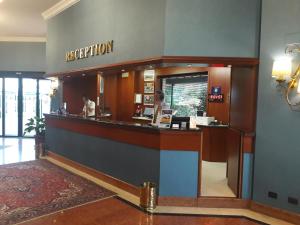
{"x":123,"y":70}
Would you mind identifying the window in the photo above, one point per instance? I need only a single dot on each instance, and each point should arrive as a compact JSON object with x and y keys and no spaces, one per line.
{"x":29,"y":101}
{"x":186,"y":94}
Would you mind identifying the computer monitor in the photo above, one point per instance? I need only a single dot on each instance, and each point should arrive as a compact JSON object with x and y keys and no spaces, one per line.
{"x":177,"y":122}
{"x":148,"y":112}
{"x":200,"y":113}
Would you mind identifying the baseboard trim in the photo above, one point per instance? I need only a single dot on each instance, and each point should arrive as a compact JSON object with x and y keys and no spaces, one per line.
{"x":275,"y":212}
{"x":212,"y":202}
{"x":204,"y":202}
{"x":97,"y":174}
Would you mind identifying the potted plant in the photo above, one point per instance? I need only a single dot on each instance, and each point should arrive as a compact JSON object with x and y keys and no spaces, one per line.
{"x":38,"y":125}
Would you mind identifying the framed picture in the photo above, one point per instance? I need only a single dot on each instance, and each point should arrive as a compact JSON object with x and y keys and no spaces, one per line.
{"x":138,"y":98}
{"x":148,"y":99}
{"x":149,"y":75}
{"x":149,"y":88}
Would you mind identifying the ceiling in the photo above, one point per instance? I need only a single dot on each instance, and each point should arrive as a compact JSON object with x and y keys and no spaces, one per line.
{"x":22,"y":18}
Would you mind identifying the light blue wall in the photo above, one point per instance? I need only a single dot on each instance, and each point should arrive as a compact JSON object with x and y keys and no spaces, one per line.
{"x":22,"y":56}
{"x":277,"y":157}
{"x":212,"y":28}
{"x":178,"y":173}
{"x":136,"y":26}
{"x":143,"y":29}
{"x":247,"y":176}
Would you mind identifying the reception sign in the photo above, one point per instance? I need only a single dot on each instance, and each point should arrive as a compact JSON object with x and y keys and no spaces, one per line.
{"x":90,"y":51}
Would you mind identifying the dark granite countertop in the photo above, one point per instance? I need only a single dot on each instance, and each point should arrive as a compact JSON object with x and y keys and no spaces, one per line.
{"x":215,"y":125}
{"x":105,"y":121}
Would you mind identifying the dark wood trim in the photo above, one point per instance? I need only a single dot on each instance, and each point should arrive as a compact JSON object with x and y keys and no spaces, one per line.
{"x":135,"y":135}
{"x":102,"y":176}
{"x":204,"y":202}
{"x":275,"y":212}
{"x":189,"y":141}
{"x":108,"y":67}
{"x":233,"y":149}
{"x":243,"y":98}
{"x":248,"y":144}
{"x":225,"y":61}
{"x":158,"y":61}
{"x":177,"y":71}
{"x":241,"y":167}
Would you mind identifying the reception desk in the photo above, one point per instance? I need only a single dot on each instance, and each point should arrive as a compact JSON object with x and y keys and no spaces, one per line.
{"x":130,"y":152}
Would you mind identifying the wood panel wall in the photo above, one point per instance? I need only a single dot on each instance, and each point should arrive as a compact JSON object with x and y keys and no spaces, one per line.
{"x":220,"y":76}
{"x":74,"y":88}
{"x":173,"y":71}
{"x":111,"y":93}
{"x":125,"y":98}
{"x":233,"y":149}
{"x":239,"y":86}
{"x":214,"y":142}
{"x":243,"y":98}
{"x":119,"y":94}
{"x":139,"y":86}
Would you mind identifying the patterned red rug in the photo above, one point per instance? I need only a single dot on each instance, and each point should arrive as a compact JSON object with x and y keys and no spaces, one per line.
{"x":36,"y":188}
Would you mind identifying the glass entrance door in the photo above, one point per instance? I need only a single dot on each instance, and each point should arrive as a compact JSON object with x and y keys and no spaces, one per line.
{"x":11,"y":108}
{"x":22,"y":99}
{"x":29,"y":102}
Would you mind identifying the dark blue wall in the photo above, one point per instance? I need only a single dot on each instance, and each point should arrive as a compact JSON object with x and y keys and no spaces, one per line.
{"x":277,"y":157}
{"x":129,"y":163}
{"x":174,"y":172}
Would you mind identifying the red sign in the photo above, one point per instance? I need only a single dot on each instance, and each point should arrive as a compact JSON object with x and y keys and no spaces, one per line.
{"x":216,"y":98}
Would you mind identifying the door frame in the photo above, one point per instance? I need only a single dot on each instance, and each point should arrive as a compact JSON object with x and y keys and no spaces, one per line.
{"x":19,"y":75}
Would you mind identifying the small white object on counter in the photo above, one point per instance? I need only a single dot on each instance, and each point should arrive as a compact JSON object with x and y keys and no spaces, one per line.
{"x":204,"y":120}
{"x":141,"y":118}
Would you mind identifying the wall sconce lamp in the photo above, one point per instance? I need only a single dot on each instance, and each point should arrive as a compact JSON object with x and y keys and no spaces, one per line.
{"x":53,"y":87}
{"x":282,"y":72}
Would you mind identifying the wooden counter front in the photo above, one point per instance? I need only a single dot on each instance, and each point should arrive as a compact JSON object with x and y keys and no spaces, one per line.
{"x":130,"y":133}
{"x":214,"y":143}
